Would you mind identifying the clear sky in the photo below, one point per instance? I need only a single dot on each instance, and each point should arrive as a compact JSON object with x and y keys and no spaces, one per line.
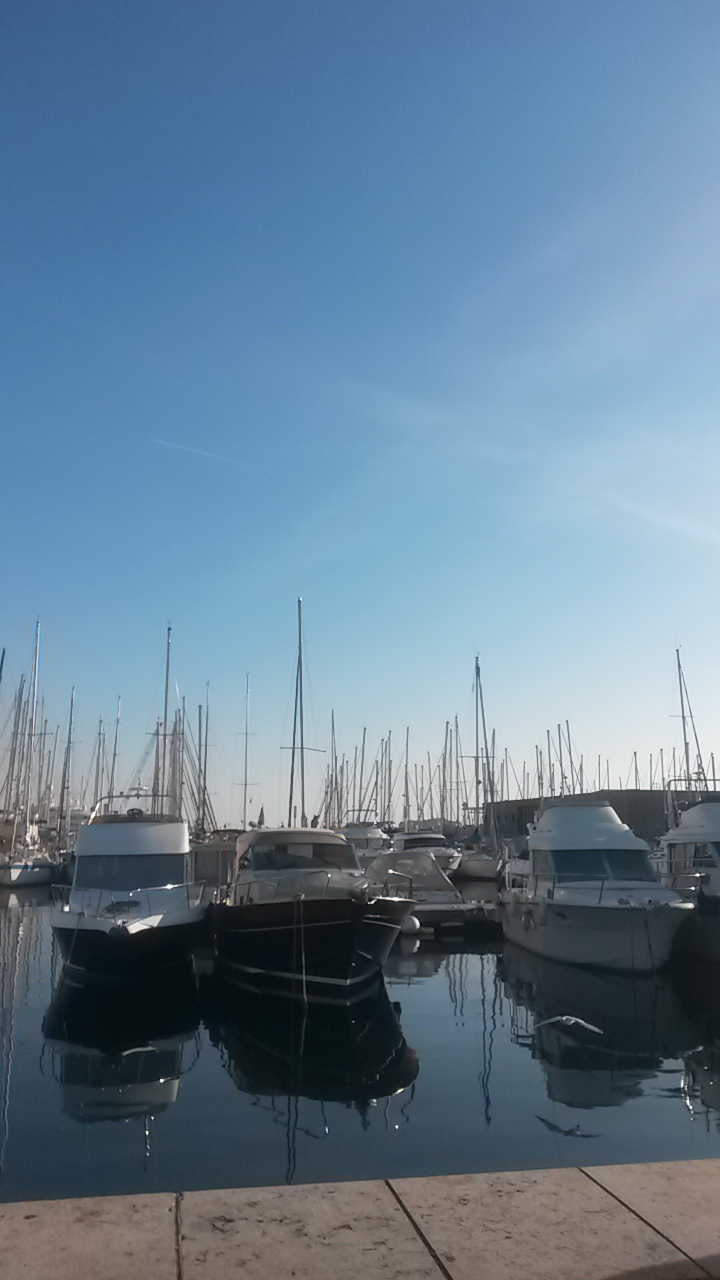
{"x":409,"y":308}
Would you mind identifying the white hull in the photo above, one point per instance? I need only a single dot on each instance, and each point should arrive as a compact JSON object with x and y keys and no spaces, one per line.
{"x":635,"y":939}
{"x":478,"y":866}
{"x":20,"y":875}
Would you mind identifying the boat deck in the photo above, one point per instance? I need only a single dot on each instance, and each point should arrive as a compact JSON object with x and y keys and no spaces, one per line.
{"x":619,"y":1222}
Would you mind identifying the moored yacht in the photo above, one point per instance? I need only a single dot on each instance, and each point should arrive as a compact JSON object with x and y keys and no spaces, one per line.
{"x":132,"y":906}
{"x":433,"y":842}
{"x":689,"y":861}
{"x":300,"y":916}
{"x":591,"y":896}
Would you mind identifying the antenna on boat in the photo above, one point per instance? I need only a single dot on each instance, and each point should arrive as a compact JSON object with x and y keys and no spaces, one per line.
{"x":245,"y":773}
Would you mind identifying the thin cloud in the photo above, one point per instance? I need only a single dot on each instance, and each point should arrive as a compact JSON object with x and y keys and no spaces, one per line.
{"x":216,"y":457}
{"x":661,"y":519}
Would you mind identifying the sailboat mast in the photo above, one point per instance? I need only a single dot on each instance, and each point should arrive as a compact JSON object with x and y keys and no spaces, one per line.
{"x":684,"y":720}
{"x":245,"y":770}
{"x":490,"y":764}
{"x":165,"y":717}
{"x":31,"y":729}
{"x":205,"y":753}
{"x":303,"y":816}
{"x":477,"y":740}
{"x":113,"y":767}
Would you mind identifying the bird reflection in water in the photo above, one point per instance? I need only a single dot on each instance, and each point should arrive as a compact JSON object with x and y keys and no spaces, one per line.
{"x":280,"y":1052}
{"x":599,"y":1036}
{"x":119,"y":1054}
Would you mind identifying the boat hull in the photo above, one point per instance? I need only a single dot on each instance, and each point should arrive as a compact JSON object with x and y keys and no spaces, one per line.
{"x":478,"y":866}
{"x":95,"y":951}
{"x":25,"y":875}
{"x":628,"y":938}
{"x":311,"y":948}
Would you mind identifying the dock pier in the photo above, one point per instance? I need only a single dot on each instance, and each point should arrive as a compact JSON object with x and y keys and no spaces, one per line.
{"x":619,"y":1222}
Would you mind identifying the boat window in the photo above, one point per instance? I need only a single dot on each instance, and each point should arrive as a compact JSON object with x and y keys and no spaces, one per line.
{"x":423,"y":842}
{"x":579,"y":864}
{"x":300,"y":856}
{"x":129,"y":871}
{"x":629,"y":864}
{"x":542,"y":863}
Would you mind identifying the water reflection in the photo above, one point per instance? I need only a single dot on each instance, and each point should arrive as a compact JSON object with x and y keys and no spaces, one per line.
{"x":21,"y":958}
{"x":120,"y":1054}
{"x":598,"y":1036}
{"x":271,"y":1046}
{"x":698,"y":986}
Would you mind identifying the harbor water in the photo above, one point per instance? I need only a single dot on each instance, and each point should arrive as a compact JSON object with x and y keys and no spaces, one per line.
{"x":465,"y":1060}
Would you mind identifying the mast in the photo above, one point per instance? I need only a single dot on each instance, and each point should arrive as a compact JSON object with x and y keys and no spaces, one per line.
{"x":407,"y":778}
{"x":67,"y":770}
{"x":684,"y":720}
{"x":477,"y":741}
{"x":113,"y":766}
{"x":165,"y":716}
{"x":491,"y":770}
{"x":303,"y":816}
{"x":245,"y":770}
{"x":205,"y":754}
{"x":31,"y":728}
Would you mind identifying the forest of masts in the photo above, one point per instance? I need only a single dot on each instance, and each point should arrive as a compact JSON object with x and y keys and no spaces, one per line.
{"x":455,"y":787}
{"x":171,"y":772}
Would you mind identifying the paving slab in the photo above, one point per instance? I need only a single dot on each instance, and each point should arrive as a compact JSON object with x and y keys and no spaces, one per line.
{"x":113,"y":1237}
{"x":681,"y":1199}
{"x":332,"y":1231}
{"x":547,"y":1225}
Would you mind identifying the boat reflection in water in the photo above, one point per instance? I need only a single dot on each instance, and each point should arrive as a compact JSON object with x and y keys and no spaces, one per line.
{"x":329,"y":1052}
{"x":598,"y":1035}
{"x":698,"y":985}
{"x":119,"y":1055}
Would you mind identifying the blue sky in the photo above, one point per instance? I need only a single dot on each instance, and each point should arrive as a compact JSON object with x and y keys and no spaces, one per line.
{"x":411,"y":309}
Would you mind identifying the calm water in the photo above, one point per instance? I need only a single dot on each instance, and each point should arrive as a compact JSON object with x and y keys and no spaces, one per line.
{"x":453,"y":1067}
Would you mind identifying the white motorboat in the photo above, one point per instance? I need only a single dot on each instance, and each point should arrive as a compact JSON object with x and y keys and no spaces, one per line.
{"x":591,"y":896}
{"x":478,"y":862}
{"x":436,"y":901}
{"x":132,"y":906}
{"x":688,"y":860}
{"x":368,"y":839}
{"x":432,"y":842}
{"x":302,"y":917}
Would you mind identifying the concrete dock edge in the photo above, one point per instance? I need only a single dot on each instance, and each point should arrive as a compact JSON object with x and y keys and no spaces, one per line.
{"x":620,"y":1222}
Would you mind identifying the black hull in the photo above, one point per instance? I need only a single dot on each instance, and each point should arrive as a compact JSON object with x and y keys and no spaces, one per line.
{"x":273,"y":1048}
{"x":329,"y":948}
{"x":93,"y":955}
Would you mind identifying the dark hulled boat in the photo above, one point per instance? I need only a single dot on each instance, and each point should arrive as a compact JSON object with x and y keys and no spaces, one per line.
{"x":300,"y":916}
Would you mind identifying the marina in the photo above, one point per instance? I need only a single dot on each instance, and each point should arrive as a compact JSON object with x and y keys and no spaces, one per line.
{"x":467,"y":1058}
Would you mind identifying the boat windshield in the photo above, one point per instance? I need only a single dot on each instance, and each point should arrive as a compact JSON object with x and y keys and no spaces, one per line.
{"x":299,"y":856}
{"x":129,"y":871}
{"x":423,"y":842}
{"x":601,"y":864}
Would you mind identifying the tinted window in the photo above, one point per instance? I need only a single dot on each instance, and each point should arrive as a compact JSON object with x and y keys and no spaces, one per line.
{"x":303,"y":857}
{"x":579,"y":864}
{"x":629,"y":864}
{"x":129,"y":871}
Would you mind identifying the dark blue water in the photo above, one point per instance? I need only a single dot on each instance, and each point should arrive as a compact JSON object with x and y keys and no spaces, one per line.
{"x":457,"y":1065}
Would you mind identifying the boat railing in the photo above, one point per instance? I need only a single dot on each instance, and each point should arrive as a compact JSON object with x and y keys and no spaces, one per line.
{"x":390,"y":890}
{"x":547,"y":884}
{"x":124,"y":904}
{"x":274,"y":887}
